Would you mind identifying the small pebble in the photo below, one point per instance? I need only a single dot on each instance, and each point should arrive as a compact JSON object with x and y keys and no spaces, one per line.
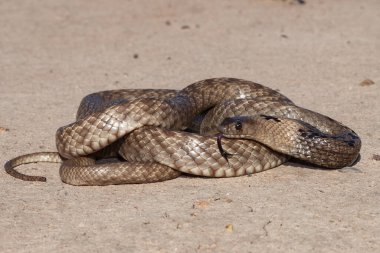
{"x":229,"y":228}
{"x":376,"y":157}
{"x":201,"y":204}
{"x":367,"y":82}
{"x":3,"y":129}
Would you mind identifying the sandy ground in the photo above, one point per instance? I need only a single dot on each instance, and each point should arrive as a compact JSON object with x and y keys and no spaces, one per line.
{"x":52,"y":53}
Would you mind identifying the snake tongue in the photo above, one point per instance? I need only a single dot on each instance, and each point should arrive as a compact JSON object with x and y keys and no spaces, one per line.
{"x":224,"y":153}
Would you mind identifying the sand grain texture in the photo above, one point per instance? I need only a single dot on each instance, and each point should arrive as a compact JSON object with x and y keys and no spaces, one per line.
{"x":52,"y":53}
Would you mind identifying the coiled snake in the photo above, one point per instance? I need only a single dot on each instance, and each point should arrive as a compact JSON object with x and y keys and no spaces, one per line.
{"x":146,"y":128}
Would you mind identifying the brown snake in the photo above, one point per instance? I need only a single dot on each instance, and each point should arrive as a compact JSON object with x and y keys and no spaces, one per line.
{"x":145,"y":128}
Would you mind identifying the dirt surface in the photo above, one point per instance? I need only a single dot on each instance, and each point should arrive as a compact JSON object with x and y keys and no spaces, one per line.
{"x":319,"y":53}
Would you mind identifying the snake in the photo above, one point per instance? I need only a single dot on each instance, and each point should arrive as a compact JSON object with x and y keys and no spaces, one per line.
{"x":217,"y":127}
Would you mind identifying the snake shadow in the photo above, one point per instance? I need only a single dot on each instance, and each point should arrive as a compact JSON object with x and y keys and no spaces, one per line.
{"x":302,"y":164}
{"x":295,"y":163}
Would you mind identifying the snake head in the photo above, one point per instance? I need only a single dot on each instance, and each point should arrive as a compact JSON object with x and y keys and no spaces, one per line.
{"x":230,"y":127}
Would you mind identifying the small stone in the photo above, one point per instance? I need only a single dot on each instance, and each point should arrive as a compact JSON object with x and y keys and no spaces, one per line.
{"x":376,"y":157}
{"x":201,"y":204}
{"x":367,"y":82}
{"x":3,"y":129}
{"x":228,"y":200}
{"x":229,"y":228}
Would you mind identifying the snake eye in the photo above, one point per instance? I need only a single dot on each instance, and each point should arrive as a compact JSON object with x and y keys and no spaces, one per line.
{"x":238,"y":125}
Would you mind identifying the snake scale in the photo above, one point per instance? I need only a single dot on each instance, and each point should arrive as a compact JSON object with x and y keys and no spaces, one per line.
{"x":219,"y":127}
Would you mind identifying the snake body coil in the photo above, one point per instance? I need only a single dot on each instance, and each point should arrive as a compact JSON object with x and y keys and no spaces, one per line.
{"x":145,"y":127}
